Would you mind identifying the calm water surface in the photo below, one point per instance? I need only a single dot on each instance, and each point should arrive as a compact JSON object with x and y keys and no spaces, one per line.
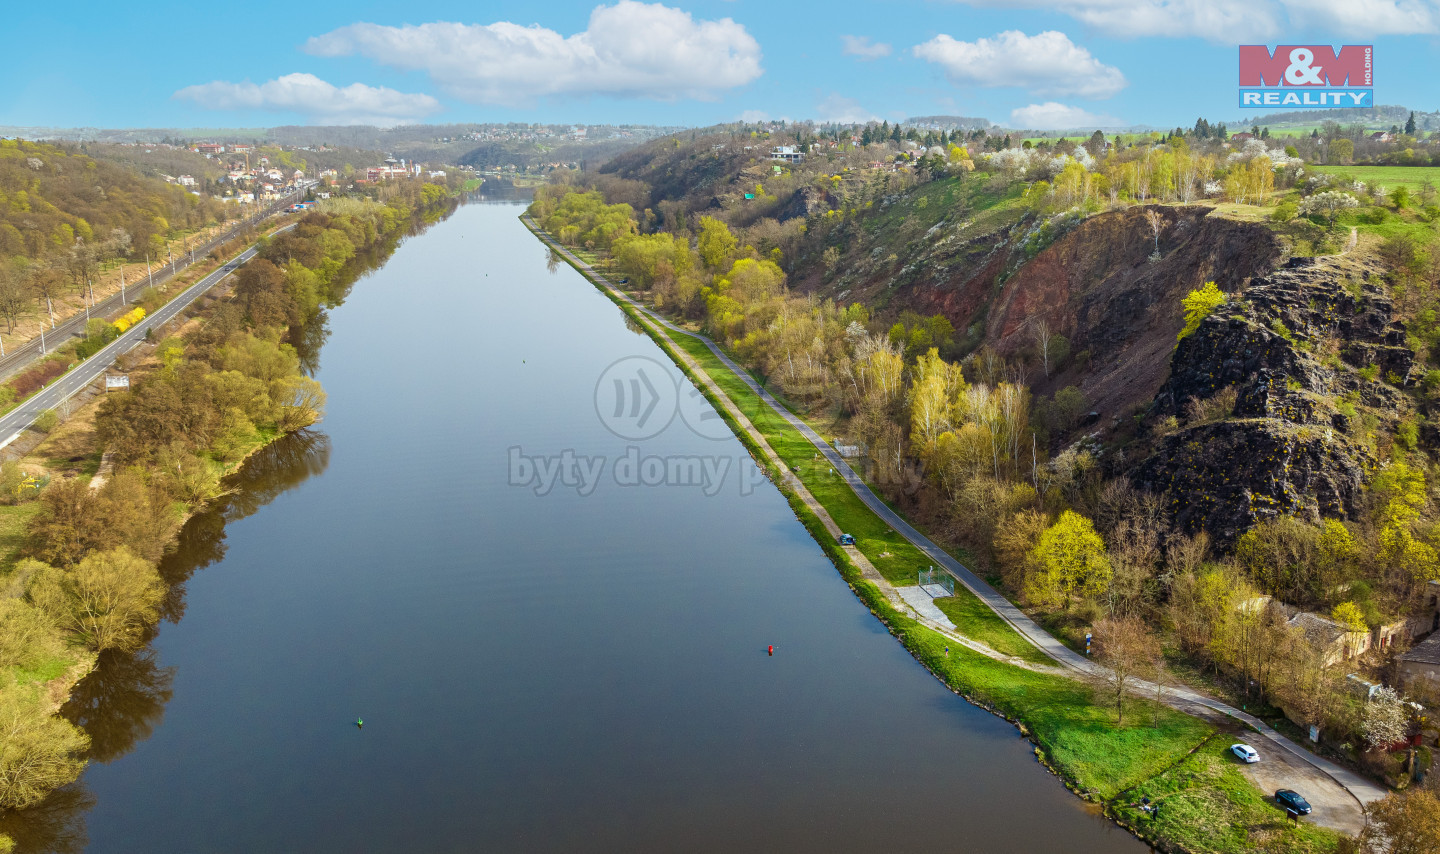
{"x":536,"y":672}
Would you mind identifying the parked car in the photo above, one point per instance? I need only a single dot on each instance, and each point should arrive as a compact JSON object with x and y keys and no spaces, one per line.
{"x":847,"y":540}
{"x":1246,"y":753}
{"x":1290,"y":800}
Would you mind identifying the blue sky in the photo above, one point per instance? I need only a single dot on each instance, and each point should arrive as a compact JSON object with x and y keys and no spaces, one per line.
{"x":683,"y":62}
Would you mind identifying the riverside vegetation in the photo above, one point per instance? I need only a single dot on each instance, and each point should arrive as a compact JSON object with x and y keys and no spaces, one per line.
{"x":974,"y":420}
{"x":81,"y":575}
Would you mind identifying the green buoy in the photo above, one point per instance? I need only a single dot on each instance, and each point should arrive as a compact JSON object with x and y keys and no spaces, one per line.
{"x":359,"y":723}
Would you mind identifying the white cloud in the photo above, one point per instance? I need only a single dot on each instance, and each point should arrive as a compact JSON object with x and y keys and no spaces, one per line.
{"x":1055,"y":116}
{"x":1370,"y":17}
{"x":1047,"y":64}
{"x":752,"y":117}
{"x":629,"y":49}
{"x":1241,"y":21}
{"x":862,"y":48}
{"x":318,"y":101}
{"x":841,"y":110}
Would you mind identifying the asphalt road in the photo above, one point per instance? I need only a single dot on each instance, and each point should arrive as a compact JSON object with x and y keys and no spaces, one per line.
{"x":1321,"y":774}
{"x":17,"y":358}
{"x":17,"y":420}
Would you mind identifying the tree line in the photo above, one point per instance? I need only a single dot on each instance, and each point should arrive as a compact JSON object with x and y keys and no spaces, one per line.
{"x":225,"y":388}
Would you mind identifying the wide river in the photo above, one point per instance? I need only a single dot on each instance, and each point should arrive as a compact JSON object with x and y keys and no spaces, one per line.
{"x":583,"y":668}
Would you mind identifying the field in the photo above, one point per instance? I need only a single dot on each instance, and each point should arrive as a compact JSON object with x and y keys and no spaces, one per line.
{"x":1413,"y":177}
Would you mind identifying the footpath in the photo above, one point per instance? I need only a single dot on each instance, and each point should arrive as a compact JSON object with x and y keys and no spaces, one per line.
{"x":1068,"y":662}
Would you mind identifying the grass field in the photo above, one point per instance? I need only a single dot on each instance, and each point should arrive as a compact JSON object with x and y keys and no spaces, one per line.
{"x":1207,"y":804}
{"x":1413,"y":177}
{"x":13,"y":520}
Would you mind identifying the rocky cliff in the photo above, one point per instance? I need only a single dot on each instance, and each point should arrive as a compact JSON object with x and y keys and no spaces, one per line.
{"x":1316,"y":364}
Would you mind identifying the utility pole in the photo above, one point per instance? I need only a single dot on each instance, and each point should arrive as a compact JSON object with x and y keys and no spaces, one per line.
{"x":122,"y":284}
{"x":42,"y":339}
{"x":149,"y":273}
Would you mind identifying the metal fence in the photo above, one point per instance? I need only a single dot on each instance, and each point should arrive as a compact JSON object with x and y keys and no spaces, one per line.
{"x":933,"y":581}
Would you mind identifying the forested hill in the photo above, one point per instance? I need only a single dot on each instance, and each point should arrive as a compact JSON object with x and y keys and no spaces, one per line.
{"x":52,"y":195}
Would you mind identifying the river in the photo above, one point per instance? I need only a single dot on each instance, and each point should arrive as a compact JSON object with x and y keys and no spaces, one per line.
{"x":583,"y":668}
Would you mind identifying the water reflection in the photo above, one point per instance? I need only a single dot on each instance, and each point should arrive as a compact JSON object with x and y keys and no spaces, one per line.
{"x":270,"y":471}
{"x":121,"y":702}
{"x":55,"y":825}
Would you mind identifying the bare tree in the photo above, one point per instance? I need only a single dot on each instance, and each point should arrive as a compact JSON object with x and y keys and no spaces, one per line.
{"x":1157,"y":225}
{"x":1043,"y":336}
{"x":1128,"y":652}
{"x":13,"y":294}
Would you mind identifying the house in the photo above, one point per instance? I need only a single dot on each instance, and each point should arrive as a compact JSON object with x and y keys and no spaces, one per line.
{"x":786,"y":153}
{"x":1382,"y":136}
{"x":210,"y":148}
{"x":1421,"y":665}
{"x":1334,"y":641}
{"x":185,"y":181}
{"x":1241,"y":137}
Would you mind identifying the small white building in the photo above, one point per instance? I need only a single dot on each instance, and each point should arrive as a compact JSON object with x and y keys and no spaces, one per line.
{"x":786,"y":153}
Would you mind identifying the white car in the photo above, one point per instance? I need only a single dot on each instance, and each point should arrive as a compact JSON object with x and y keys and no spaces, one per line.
{"x":1246,"y":753}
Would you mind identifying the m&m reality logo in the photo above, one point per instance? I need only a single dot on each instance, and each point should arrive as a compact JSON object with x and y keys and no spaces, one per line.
{"x":1307,"y":75}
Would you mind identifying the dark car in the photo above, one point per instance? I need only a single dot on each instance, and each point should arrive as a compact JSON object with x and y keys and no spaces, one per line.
{"x":1291,"y":801}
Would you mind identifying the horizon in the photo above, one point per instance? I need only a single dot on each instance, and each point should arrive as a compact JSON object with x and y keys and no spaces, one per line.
{"x":1034,"y":65}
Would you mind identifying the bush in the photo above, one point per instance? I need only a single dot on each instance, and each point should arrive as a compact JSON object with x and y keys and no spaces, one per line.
{"x":40,"y":752}
{"x":36,"y":378}
{"x":108,"y":599}
{"x":47,"y":421}
{"x":1284,"y":212}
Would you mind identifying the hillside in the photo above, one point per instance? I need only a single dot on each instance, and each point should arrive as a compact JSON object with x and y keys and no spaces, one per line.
{"x":52,"y":195}
{"x":1208,"y":365}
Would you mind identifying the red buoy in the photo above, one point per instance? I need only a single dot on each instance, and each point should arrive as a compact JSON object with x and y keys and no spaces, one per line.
{"x":772,"y":649}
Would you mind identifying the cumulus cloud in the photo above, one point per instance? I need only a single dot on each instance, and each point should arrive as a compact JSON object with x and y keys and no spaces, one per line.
{"x":754,"y":116}
{"x":1056,"y":116}
{"x":630,"y":49}
{"x":1047,"y":64}
{"x":317,"y":100}
{"x":862,"y":48}
{"x":1216,"y":20}
{"x":1240,"y":21}
{"x":845,"y":111}
{"x":1371,"y":17}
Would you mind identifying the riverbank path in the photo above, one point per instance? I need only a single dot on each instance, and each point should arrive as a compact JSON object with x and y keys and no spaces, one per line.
{"x":1185,"y":699}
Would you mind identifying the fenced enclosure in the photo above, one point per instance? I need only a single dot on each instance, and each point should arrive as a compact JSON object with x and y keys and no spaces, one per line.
{"x":937,"y":582}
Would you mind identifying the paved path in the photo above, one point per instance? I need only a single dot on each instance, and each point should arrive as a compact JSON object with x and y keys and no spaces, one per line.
{"x":17,"y":420}
{"x":924,"y":605}
{"x":1184,"y":699}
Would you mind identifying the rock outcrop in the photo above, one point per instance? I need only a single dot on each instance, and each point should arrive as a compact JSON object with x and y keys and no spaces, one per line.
{"x":1314,"y":357}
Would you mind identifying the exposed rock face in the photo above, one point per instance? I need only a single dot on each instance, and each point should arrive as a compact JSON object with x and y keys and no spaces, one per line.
{"x":805,"y":202}
{"x":1098,"y":286}
{"x":1289,"y":348}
